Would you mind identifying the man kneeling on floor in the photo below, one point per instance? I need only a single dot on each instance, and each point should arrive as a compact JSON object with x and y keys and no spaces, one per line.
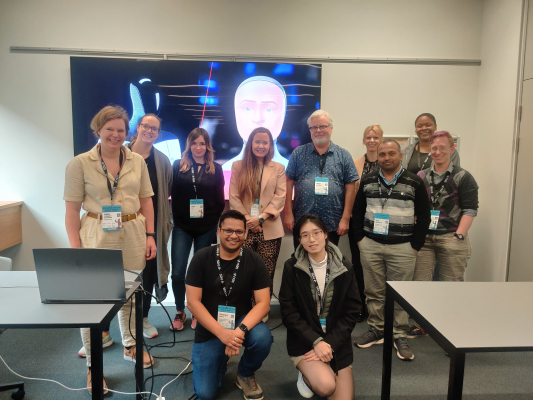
{"x":218,"y":286}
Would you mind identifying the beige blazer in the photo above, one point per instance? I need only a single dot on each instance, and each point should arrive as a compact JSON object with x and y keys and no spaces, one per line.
{"x":271,"y":199}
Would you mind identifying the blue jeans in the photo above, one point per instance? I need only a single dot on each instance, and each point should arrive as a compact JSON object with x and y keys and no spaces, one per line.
{"x":210,"y":362}
{"x":181,"y":248}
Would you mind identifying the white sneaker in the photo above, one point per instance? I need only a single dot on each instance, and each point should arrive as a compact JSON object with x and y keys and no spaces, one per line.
{"x":107,"y":341}
{"x":149,"y":331}
{"x":303,"y":388}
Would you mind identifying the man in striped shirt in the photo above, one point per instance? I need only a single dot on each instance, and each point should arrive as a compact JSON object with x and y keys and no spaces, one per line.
{"x":390,"y":220}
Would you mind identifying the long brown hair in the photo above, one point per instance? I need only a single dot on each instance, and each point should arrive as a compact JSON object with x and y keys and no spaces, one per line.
{"x":186,"y":157}
{"x":247,"y":180}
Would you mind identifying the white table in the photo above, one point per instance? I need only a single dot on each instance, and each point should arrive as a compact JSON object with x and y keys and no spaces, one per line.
{"x":21,"y":307}
{"x":440,"y":307}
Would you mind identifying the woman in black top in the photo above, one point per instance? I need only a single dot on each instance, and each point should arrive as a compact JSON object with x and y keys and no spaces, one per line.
{"x":197,"y":203}
{"x":319,"y":321}
{"x":372,"y":137}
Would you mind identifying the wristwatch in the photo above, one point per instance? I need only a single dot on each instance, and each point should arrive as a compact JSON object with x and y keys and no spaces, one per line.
{"x":261,"y":220}
{"x":459,"y":236}
{"x":243,"y":328}
{"x":150,"y":234}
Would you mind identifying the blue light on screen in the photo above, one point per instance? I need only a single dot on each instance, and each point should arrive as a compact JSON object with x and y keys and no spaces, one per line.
{"x":157,"y":100}
{"x":249,"y":68}
{"x":211,"y":100}
{"x":213,"y":85}
{"x":283,"y":69}
{"x":144,"y":80}
{"x":317,"y":105}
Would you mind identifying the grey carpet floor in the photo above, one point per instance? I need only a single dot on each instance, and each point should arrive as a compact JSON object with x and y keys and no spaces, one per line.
{"x":52,"y":354}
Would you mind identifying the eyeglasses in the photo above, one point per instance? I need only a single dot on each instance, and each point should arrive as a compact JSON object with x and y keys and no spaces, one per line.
{"x":229,"y":232}
{"x":441,"y":148}
{"x":150,"y":128}
{"x":318,"y":128}
{"x":317,"y":235}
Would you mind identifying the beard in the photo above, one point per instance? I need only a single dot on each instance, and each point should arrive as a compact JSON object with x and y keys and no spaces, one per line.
{"x":323,"y":140}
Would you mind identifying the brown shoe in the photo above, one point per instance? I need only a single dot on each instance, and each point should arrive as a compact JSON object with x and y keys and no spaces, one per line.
{"x":250,"y":387}
{"x":131,"y":355}
{"x":90,"y":383}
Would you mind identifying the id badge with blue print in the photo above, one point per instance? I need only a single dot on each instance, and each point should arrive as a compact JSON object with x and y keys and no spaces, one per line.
{"x":226,"y":317}
{"x":321,"y":186}
{"x":111,"y":218}
{"x":254,"y":212}
{"x":434,"y":220}
{"x":381,"y":224}
{"x":323,"y":324}
{"x":196,"y":208}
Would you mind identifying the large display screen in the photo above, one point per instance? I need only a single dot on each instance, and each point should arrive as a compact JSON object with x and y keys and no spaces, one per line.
{"x":227,"y":99}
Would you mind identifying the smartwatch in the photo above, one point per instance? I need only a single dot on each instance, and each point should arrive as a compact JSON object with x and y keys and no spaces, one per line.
{"x":243,"y":328}
{"x":150,"y":234}
{"x":459,"y":236}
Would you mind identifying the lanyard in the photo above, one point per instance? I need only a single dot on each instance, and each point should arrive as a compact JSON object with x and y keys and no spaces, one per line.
{"x":260,"y":180}
{"x":194,"y":180}
{"x":313,"y":276}
{"x":325,"y":158}
{"x":115,"y":184}
{"x":389,"y":191}
{"x":424,"y":163}
{"x":227,"y":292}
{"x":435,"y":199}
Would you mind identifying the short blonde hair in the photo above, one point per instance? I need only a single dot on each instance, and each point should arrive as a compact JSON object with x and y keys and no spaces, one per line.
{"x":320,"y":113}
{"x":377,"y":130}
{"x":106,"y":114}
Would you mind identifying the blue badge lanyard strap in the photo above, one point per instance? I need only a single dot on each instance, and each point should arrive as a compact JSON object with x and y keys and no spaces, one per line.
{"x":113,"y":189}
{"x":228,"y":292}
{"x":323,"y":165}
{"x":313,"y":276}
{"x":435,"y":198}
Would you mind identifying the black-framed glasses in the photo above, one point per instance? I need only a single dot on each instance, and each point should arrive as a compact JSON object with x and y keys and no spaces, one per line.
{"x":229,"y":232}
{"x":317,"y":235}
{"x":150,"y":128}
{"x":318,"y":128}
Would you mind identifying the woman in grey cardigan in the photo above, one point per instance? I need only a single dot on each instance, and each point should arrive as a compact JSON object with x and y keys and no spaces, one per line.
{"x":156,"y":271}
{"x":417,"y":156}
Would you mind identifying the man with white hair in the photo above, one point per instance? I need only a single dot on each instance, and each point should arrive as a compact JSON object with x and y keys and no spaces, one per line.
{"x":324,"y":179}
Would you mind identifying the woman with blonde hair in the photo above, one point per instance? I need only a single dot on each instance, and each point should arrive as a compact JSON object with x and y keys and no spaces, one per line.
{"x":197,"y":203}
{"x":111,"y":175}
{"x":257,"y":190}
{"x":372,"y":137}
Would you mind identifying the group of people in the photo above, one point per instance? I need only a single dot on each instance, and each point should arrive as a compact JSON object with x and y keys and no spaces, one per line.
{"x":406,"y":213}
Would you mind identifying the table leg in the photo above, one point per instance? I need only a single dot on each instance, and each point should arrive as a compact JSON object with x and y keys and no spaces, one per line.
{"x":139,"y":371}
{"x":97,"y":363}
{"x":387,"y":346}
{"x":457,"y":371}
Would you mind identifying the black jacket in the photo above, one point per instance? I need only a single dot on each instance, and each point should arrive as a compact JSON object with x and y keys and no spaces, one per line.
{"x":299,"y":314}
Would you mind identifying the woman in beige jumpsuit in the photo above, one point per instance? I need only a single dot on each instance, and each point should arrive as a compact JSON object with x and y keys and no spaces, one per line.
{"x":89,"y":185}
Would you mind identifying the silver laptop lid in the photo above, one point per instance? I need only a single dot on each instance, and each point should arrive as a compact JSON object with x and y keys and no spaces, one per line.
{"x":80,"y":275}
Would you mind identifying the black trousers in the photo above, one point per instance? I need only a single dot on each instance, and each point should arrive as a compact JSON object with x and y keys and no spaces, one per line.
{"x":333,"y":237}
{"x":357,"y":267}
{"x":149,"y":276}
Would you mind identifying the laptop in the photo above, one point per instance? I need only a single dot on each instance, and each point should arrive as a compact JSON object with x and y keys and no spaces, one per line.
{"x":80,"y":276}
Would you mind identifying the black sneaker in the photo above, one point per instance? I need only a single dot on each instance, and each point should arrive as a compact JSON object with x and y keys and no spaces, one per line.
{"x":369,"y":338}
{"x":403,"y":350}
{"x":415,"y":332}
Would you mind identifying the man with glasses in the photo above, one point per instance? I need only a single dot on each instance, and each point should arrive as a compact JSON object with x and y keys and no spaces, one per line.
{"x":324,"y":179}
{"x":453,"y":194}
{"x":218,"y":286}
{"x":390,"y":222}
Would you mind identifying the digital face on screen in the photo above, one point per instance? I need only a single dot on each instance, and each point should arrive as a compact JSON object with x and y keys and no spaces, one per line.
{"x":259,"y":102}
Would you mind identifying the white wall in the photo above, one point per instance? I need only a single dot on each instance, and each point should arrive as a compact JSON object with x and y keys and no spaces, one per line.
{"x":35,"y":107}
{"x":493,"y":153}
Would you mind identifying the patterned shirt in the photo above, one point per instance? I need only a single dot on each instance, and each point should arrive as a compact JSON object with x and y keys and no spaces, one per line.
{"x":304,"y":167}
{"x":459,"y":197}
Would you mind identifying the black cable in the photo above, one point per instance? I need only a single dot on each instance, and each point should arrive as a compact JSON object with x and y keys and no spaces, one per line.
{"x":277,"y":326}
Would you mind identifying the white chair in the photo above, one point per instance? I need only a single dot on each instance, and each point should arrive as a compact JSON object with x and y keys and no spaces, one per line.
{"x":6,"y":264}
